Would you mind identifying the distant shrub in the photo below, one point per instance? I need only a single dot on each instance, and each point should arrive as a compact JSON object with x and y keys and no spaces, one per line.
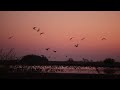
{"x":85,"y":60}
{"x":109,"y":61}
{"x":108,"y":70}
{"x":33,"y":59}
{"x":70,"y":60}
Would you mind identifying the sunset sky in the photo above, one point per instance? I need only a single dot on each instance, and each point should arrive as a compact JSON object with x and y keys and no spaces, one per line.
{"x":58,"y":28}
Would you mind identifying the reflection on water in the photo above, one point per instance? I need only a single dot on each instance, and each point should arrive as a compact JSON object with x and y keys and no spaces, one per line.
{"x":65,"y":69}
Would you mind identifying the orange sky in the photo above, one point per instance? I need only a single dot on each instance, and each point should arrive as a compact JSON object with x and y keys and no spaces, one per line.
{"x":58,"y":27}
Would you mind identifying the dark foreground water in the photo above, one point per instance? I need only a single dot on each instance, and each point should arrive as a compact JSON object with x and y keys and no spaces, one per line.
{"x":65,"y":69}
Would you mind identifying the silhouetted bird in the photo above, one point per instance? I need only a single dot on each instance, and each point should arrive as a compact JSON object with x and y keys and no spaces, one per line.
{"x":82,"y":38}
{"x":66,"y":56}
{"x":103,"y":39}
{"x":10,"y":37}
{"x":47,"y":49}
{"x":54,"y":51}
{"x":38,"y":30}
{"x":76,"y":45}
{"x":72,"y":38}
{"x":34,"y":28}
{"x":41,"y":33}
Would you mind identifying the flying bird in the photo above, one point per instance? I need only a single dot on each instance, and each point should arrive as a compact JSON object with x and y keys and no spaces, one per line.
{"x":72,"y":38}
{"x":76,"y":45}
{"x":38,"y":30}
{"x":41,"y":33}
{"x":34,"y":28}
{"x":10,"y":37}
{"x":54,"y":51}
{"x":82,"y":38}
{"x":47,"y":49}
{"x":103,"y":39}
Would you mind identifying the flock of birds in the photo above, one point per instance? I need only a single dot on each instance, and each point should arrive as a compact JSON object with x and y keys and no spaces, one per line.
{"x":47,"y":49}
{"x":38,"y":29}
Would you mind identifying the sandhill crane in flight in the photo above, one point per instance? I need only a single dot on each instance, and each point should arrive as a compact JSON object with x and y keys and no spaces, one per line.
{"x":72,"y":38}
{"x":76,"y":45}
{"x":41,"y":33}
{"x":10,"y":37}
{"x":54,"y":51}
{"x":47,"y":49}
{"x":34,"y":28}
{"x":103,"y":39}
{"x":82,"y":38}
{"x":38,"y":30}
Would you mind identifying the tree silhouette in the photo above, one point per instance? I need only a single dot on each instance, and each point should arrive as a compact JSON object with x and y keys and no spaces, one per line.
{"x":109,"y":70}
{"x":33,"y":59}
{"x":109,"y":61}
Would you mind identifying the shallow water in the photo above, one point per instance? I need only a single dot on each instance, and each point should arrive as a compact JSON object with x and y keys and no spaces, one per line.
{"x":62,"y":69}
